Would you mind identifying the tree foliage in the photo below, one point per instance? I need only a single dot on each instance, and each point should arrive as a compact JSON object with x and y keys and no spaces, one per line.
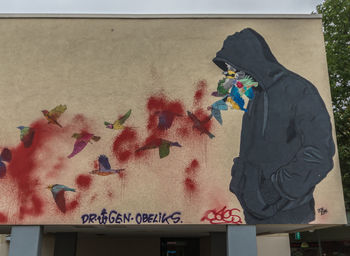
{"x":336,"y":27}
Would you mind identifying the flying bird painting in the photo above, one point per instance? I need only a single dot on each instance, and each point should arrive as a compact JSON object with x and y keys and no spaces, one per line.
{"x":53,"y":115}
{"x":199,"y":125}
{"x":82,"y":139}
{"x":162,"y":145}
{"x":216,"y":108}
{"x":5,"y":156}
{"x":105,"y":167}
{"x":246,"y":85}
{"x":57,"y":191}
{"x":26,"y":135}
{"x":224,"y":86}
{"x":118,"y":124}
{"x":236,"y":97}
{"x":165,"y":119}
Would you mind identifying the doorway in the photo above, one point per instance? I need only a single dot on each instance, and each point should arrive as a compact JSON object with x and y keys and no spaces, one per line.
{"x":179,"y":247}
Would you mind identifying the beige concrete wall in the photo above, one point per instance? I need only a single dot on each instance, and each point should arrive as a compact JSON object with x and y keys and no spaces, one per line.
{"x":108,"y":246}
{"x":101,"y":68}
{"x":273,"y":245}
{"x":4,"y":246}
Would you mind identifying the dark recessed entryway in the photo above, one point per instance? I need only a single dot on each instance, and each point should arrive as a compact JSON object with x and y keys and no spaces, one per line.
{"x":179,"y":247}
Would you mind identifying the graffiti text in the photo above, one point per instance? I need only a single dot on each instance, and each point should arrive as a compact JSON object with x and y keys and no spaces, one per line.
{"x":115,"y":217}
{"x":222,"y":216}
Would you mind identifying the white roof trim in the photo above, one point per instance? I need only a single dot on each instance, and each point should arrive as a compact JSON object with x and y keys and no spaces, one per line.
{"x":161,"y":16}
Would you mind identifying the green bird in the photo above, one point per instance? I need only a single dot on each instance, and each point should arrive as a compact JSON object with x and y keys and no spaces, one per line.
{"x":118,"y":124}
{"x":163,"y":145}
{"x":27,"y":135}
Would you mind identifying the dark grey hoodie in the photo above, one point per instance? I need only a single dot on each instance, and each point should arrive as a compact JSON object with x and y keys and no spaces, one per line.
{"x":286,"y":139}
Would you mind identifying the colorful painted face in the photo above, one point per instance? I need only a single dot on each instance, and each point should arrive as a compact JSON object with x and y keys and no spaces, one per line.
{"x":233,"y":86}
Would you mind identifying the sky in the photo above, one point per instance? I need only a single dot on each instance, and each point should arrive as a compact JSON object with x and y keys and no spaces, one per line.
{"x":159,"y":6}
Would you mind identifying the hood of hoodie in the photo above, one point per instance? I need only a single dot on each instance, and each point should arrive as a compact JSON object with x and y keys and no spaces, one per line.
{"x":247,"y":51}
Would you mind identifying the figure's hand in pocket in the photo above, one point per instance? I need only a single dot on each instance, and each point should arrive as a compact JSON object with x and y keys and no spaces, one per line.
{"x":252,"y":197}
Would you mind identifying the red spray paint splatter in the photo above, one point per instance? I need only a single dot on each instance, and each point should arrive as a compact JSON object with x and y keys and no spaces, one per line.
{"x":59,"y":164}
{"x":71,"y":206}
{"x":122,"y":174}
{"x":200,"y":92}
{"x":82,"y":122}
{"x":186,"y":130}
{"x":128,"y":141}
{"x":93,"y":198}
{"x":201,"y":111}
{"x":22,"y":168}
{"x":192,"y":168}
{"x":158,"y":103}
{"x":95,"y":165}
{"x":83,"y":181}
{"x":190,"y":185}
{"x":56,"y":169}
{"x":125,"y":144}
{"x":190,"y":182}
{"x":3,"y":218}
{"x":183,"y":132}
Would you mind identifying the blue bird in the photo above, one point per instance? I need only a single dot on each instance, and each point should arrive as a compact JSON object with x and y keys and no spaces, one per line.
{"x":249,"y":93}
{"x":105,"y":167}
{"x":6,"y":156}
{"x":57,"y":191}
{"x":57,"y":188}
{"x":234,"y":94}
{"x":216,"y":108}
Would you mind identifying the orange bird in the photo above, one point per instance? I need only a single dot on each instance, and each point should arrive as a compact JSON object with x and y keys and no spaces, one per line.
{"x":54,"y":114}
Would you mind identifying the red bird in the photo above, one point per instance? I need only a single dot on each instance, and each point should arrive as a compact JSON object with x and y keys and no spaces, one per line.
{"x":199,"y":125}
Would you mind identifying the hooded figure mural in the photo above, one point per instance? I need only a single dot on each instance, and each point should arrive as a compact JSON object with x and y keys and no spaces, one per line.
{"x":286,"y":139}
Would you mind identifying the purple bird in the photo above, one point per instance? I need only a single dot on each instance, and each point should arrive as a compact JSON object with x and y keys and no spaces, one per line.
{"x":82,"y":139}
{"x":165,"y":119}
{"x":104,"y":168}
{"x":6,"y":156}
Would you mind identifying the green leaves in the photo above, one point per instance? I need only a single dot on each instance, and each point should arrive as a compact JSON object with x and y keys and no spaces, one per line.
{"x":336,"y":28}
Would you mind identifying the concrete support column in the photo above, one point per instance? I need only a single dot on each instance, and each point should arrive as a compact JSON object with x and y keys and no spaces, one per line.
{"x":65,"y":244}
{"x":241,"y":240}
{"x":25,"y":240}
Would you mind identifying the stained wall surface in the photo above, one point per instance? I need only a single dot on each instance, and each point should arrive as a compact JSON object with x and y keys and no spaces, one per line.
{"x":101,"y":68}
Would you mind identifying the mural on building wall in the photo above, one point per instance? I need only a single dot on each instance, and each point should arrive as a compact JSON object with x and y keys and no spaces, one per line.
{"x":286,"y":139}
{"x":286,"y":149}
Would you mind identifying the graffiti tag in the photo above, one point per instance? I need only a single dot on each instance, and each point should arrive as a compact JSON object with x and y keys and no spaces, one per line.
{"x":222,"y":216}
{"x":322,"y":211}
{"x":115,"y":217}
